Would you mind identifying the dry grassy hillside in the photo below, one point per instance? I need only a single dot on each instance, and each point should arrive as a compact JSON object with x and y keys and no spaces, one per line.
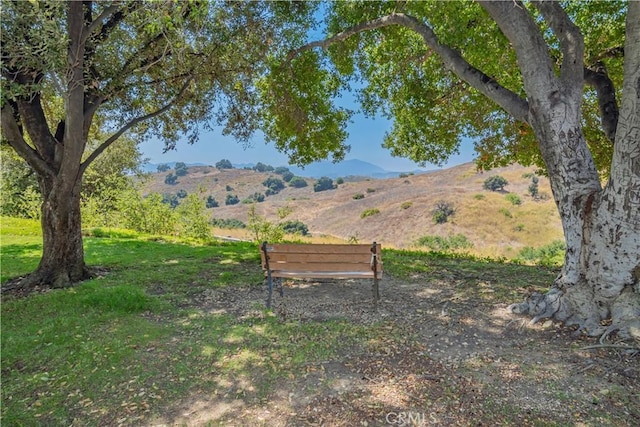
{"x":492,"y":223}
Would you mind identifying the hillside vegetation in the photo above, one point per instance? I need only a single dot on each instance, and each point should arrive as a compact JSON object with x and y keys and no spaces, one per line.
{"x":399,"y":211}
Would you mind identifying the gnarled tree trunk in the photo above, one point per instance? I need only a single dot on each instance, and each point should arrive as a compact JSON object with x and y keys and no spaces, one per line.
{"x":62,"y":262}
{"x":599,"y":287}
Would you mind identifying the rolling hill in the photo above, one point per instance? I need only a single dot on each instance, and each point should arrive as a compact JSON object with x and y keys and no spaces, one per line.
{"x":489,"y":220}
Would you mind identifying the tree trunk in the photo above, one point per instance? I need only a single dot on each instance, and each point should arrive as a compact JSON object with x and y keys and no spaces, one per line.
{"x":62,"y":262}
{"x":600,"y":278}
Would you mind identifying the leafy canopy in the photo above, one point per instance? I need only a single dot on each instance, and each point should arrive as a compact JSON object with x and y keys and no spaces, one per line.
{"x":394,"y":73}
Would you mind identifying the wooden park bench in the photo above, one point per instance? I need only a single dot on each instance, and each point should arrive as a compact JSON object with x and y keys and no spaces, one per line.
{"x":321,"y":261}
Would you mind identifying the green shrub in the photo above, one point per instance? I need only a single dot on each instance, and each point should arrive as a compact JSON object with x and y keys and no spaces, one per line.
{"x":227,"y":223}
{"x":406,"y":205}
{"x":506,"y":212}
{"x":297,"y":182}
{"x":443,"y":244}
{"x":548,"y":255}
{"x":231,"y":199}
{"x":371,"y":190}
{"x":295,"y":227}
{"x":358,"y":196}
{"x":442,"y":212}
{"x":171,"y":179}
{"x":339,"y":181}
{"x":192,"y":219}
{"x":495,"y":183}
{"x":212,"y":202}
{"x":180,"y":169}
{"x":369,"y":212}
{"x":274,"y":184}
{"x":224,"y":164}
{"x":262,"y":229}
{"x":479,"y":196}
{"x":324,"y":183}
{"x":514,"y":199}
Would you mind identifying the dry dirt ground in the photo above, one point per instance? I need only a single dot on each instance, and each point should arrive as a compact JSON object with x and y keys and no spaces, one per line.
{"x":445,"y":360}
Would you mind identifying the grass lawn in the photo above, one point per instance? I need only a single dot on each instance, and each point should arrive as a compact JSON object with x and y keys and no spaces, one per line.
{"x":116,"y":348}
{"x":133,"y":345}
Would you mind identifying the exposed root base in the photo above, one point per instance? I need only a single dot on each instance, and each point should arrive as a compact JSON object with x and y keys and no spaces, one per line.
{"x":35,"y":283}
{"x":574,"y":308}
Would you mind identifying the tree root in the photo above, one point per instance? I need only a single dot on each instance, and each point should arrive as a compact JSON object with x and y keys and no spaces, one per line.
{"x":616,"y":346}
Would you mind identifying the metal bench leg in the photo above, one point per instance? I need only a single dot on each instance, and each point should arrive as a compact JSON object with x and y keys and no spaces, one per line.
{"x":269,"y":289}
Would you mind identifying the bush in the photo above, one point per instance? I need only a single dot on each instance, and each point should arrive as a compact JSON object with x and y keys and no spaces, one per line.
{"x":369,"y":212}
{"x":262,"y":229}
{"x":339,"y":181}
{"x":254,"y":198}
{"x":192,"y":219}
{"x":281,"y":170}
{"x":181,"y":169}
{"x":170,"y":199}
{"x":533,"y":187}
{"x":358,"y":196}
{"x":450,"y":243}
{"x":163,"y":167}
{"x":261,"y":167}
{"x":442,"y":212}
{"x":224,"y":164}
{"x":231,"y":199}
{"x":228,"y":188}
{"x":495,"y":183}
{"x":171,"y":179}
{"x":549,"y":255}
{"x":182,"y":193}
{"x":324,"y":183}
{"x":295,"y":227}
{"x":506,"y":212}
{"x":212,"y":202}
{"x":514,"y":199}
{"x":227,"y":223}
{"x":406,"y":205}
{"x":297,"y":182}
{"x":274,"y":184}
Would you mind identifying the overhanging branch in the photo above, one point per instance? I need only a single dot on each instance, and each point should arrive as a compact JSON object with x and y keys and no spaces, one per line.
{"x":452,"y":59}
{"x":131,"y":124}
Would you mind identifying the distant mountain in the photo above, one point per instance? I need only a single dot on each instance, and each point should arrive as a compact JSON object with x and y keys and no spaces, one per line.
{"x":351,"y":167}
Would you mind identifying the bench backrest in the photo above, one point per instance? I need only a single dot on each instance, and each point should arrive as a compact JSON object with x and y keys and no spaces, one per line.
{"x":321,"y":261}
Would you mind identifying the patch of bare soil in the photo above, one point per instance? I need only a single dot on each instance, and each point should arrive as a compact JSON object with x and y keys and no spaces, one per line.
{"x":443,"y":361}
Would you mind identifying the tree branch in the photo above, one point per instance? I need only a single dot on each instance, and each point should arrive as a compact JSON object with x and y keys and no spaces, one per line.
{"x":453,"y":61}
{"x":525,"y":37}
{"x":130,"y":124}
{"x":13,"y":135}
{"x":569,"y":35}
{"x":598,"y":78}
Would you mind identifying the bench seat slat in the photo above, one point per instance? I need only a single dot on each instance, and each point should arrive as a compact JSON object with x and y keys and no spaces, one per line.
{"x":324,"y":274}
{"x":319,"y":248}
{"x":277,"y":257}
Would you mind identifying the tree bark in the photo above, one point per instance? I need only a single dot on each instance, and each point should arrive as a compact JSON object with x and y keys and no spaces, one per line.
{"x":599,"y":287}
{"x":62,"y":262}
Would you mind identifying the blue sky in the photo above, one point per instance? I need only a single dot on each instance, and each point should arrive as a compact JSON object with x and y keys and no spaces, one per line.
{"x":365,"y":138}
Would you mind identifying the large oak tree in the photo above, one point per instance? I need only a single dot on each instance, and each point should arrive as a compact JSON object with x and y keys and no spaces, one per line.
{"x":142,"y":67}
{"x":550,"y":83}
